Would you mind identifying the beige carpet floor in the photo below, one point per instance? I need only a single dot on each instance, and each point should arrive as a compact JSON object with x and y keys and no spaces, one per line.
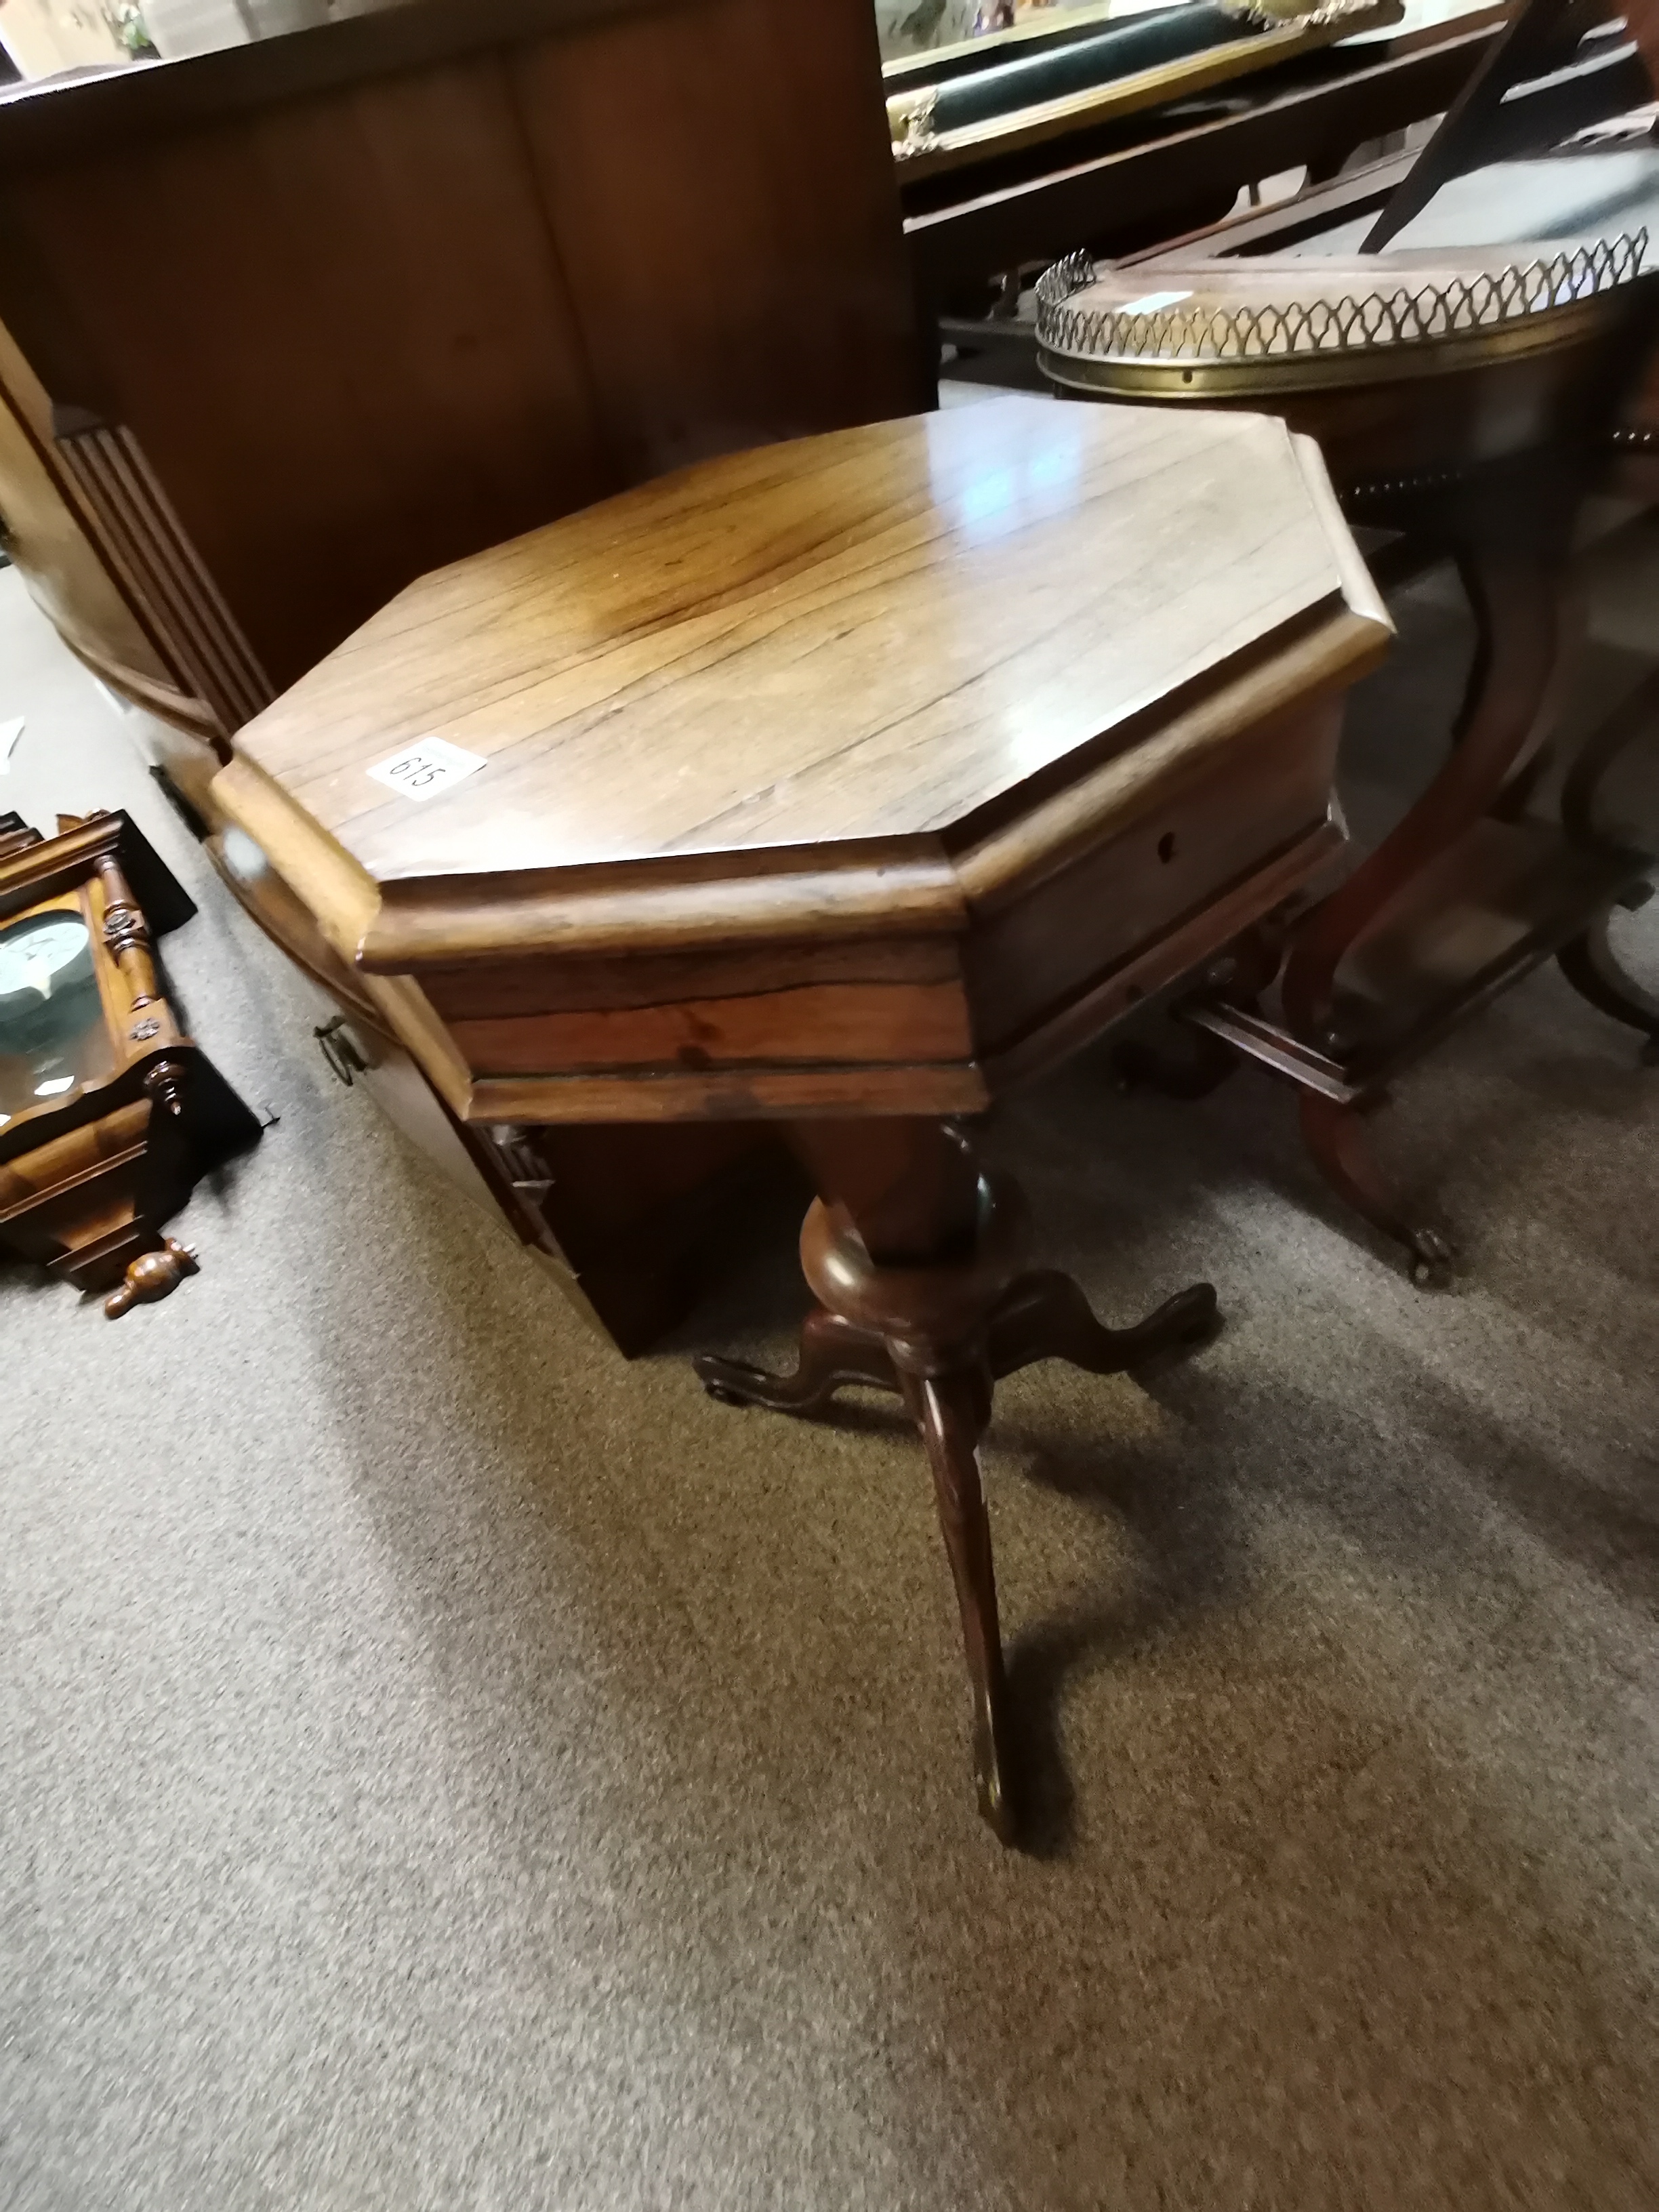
{"x":442,"y":1766}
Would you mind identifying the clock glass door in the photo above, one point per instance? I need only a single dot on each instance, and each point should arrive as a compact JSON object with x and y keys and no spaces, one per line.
{"x":53,"y":1040}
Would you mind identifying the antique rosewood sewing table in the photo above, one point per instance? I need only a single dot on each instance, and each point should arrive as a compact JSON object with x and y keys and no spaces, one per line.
{"x":843,"y":784}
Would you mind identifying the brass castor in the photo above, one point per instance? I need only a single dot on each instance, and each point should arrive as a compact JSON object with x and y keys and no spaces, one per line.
{"x":1433,"y":1258}
{"x":153,"y":1275}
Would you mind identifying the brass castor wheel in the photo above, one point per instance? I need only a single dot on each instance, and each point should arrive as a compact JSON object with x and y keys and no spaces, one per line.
{"x":1432,"y":1261}
{"x":153,"y":1275}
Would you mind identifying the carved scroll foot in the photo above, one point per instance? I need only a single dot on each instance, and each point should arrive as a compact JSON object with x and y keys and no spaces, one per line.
{"x":1335,"y":1135}
{"x":1591,"y":966}
{"x":950,"y":1410}
{"x":833,"y":1352}
{"x":153,"y":1275}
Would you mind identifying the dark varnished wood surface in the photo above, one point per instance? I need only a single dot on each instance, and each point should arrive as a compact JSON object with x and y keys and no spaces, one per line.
{"x":412,"y":283}
{"x":874,"y":636}
{"x":56,"y":119}
{"x":855,"y":776}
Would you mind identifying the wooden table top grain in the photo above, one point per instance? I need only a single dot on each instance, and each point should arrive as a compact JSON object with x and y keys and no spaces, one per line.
{"x":869,"y":636}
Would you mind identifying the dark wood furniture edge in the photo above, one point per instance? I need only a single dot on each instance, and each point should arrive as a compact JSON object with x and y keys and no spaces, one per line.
{"x":994,"y":230}
{"x":288,"y":923}
{"x":658,"y":905}
{"x":47,"y":866}
{"x":53,"y":121}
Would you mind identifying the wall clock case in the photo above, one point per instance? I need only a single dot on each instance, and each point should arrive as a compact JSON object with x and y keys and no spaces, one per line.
{"x":109,"y":1113}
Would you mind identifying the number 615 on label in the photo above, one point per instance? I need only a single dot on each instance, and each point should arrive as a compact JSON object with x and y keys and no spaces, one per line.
{"x":428,"y":769}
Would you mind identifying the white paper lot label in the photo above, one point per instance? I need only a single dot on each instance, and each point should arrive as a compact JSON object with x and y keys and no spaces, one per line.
{"x":426,"y":770}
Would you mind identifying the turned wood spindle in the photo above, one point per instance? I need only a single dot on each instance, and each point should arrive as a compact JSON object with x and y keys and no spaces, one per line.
{"x":127,"y":935}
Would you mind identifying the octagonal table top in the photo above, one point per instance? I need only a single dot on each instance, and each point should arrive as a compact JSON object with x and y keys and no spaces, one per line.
{"x":863,"y":639}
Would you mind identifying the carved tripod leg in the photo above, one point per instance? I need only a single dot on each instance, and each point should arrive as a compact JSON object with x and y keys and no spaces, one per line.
{"x":914,"y":1258}
{"x":1590,"y":965}
{"x":951,"y":1411}
{"x":833,"y":1351}
{"x":1046,"y":1315}
{"x":1335,"y":1135}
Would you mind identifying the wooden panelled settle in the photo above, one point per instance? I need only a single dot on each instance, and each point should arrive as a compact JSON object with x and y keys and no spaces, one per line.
{"x":285,"y":327}
{"x":290,"y":325}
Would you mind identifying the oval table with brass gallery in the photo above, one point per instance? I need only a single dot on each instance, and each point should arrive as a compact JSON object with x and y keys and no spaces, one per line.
{"x":841,"y":785}
{"x":1463,"y":397}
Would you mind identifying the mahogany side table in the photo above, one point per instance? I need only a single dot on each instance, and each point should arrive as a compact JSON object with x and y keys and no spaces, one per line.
{"x":1462,"y":399}
{"x":841,"y":784}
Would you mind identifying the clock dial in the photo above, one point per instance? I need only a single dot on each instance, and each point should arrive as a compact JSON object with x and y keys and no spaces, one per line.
{"x":41,"y":952}
{"x":53,"y":1038}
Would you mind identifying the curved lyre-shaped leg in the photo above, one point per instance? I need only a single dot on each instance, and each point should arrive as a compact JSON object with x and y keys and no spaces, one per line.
{"x":1509,"y":532}
{"x":1512,"y":553}
{"x":1491,"y":598}
{"x":1336,"y":1136}
{"x":1591,"y":966}
{"x":951,"y":1411}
